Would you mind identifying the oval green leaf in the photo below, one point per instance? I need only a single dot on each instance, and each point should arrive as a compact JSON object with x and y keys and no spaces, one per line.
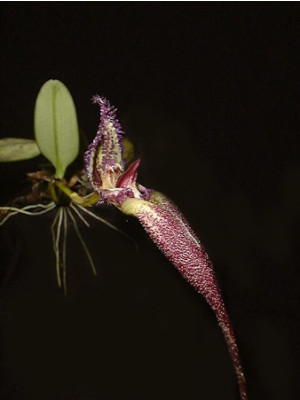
{"x":17,"y":149}
{"x":55,"y":125}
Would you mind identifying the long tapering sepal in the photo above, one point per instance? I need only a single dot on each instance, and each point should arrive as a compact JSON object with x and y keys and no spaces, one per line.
{"x":172,"y":234}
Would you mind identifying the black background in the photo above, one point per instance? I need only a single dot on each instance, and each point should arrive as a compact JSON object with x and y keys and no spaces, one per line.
{"x":209,"y":94}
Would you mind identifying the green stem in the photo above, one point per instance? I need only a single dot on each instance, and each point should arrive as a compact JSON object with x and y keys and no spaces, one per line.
{"x":89,"y":200}
{"x":52,"y":191}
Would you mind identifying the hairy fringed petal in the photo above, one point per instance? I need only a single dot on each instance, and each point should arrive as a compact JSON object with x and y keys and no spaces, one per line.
{"x":103,"y":159}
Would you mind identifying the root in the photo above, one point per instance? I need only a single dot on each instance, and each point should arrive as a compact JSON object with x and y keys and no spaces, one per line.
{"x":64,"y":250}
{"x":56,"y":244}
{"x":106,"y":223}
{"x":80,"y":215}
{"x":24,"y":210}
{"x":82,"y":241}
{"x":59,"y":229}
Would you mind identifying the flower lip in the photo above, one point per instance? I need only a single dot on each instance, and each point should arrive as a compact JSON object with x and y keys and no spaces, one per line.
{"x":129,"y":176}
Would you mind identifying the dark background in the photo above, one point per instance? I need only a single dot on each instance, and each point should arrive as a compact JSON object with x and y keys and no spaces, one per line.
{"x":209,"y":94}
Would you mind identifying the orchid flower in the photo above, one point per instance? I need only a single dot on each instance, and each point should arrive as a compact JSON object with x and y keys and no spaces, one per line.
{"x":161,"y":219}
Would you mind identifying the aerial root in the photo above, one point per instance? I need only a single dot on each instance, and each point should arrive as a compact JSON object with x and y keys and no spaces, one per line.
{"x":56,"y":232}
{"x":64,"y":250}
{"x":106,"y":223}
{"x":24,"y":210}
{"x":59,"y":229}
{"x":80,"y":215}
{"x":82,"y":241}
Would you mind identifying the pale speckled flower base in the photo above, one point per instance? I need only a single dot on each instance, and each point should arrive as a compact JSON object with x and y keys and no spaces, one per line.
{"x":161,"y":219}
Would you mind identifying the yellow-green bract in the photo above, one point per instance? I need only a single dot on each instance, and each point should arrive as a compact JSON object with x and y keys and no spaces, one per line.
{"x":55,"y":125}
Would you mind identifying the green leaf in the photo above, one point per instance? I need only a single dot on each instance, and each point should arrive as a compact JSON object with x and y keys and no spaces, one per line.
{"x":17,"y":149}
{"x":55,"y":125}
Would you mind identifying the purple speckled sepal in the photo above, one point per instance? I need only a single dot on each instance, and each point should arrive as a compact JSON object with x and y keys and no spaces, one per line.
{"x":170,"y":231}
